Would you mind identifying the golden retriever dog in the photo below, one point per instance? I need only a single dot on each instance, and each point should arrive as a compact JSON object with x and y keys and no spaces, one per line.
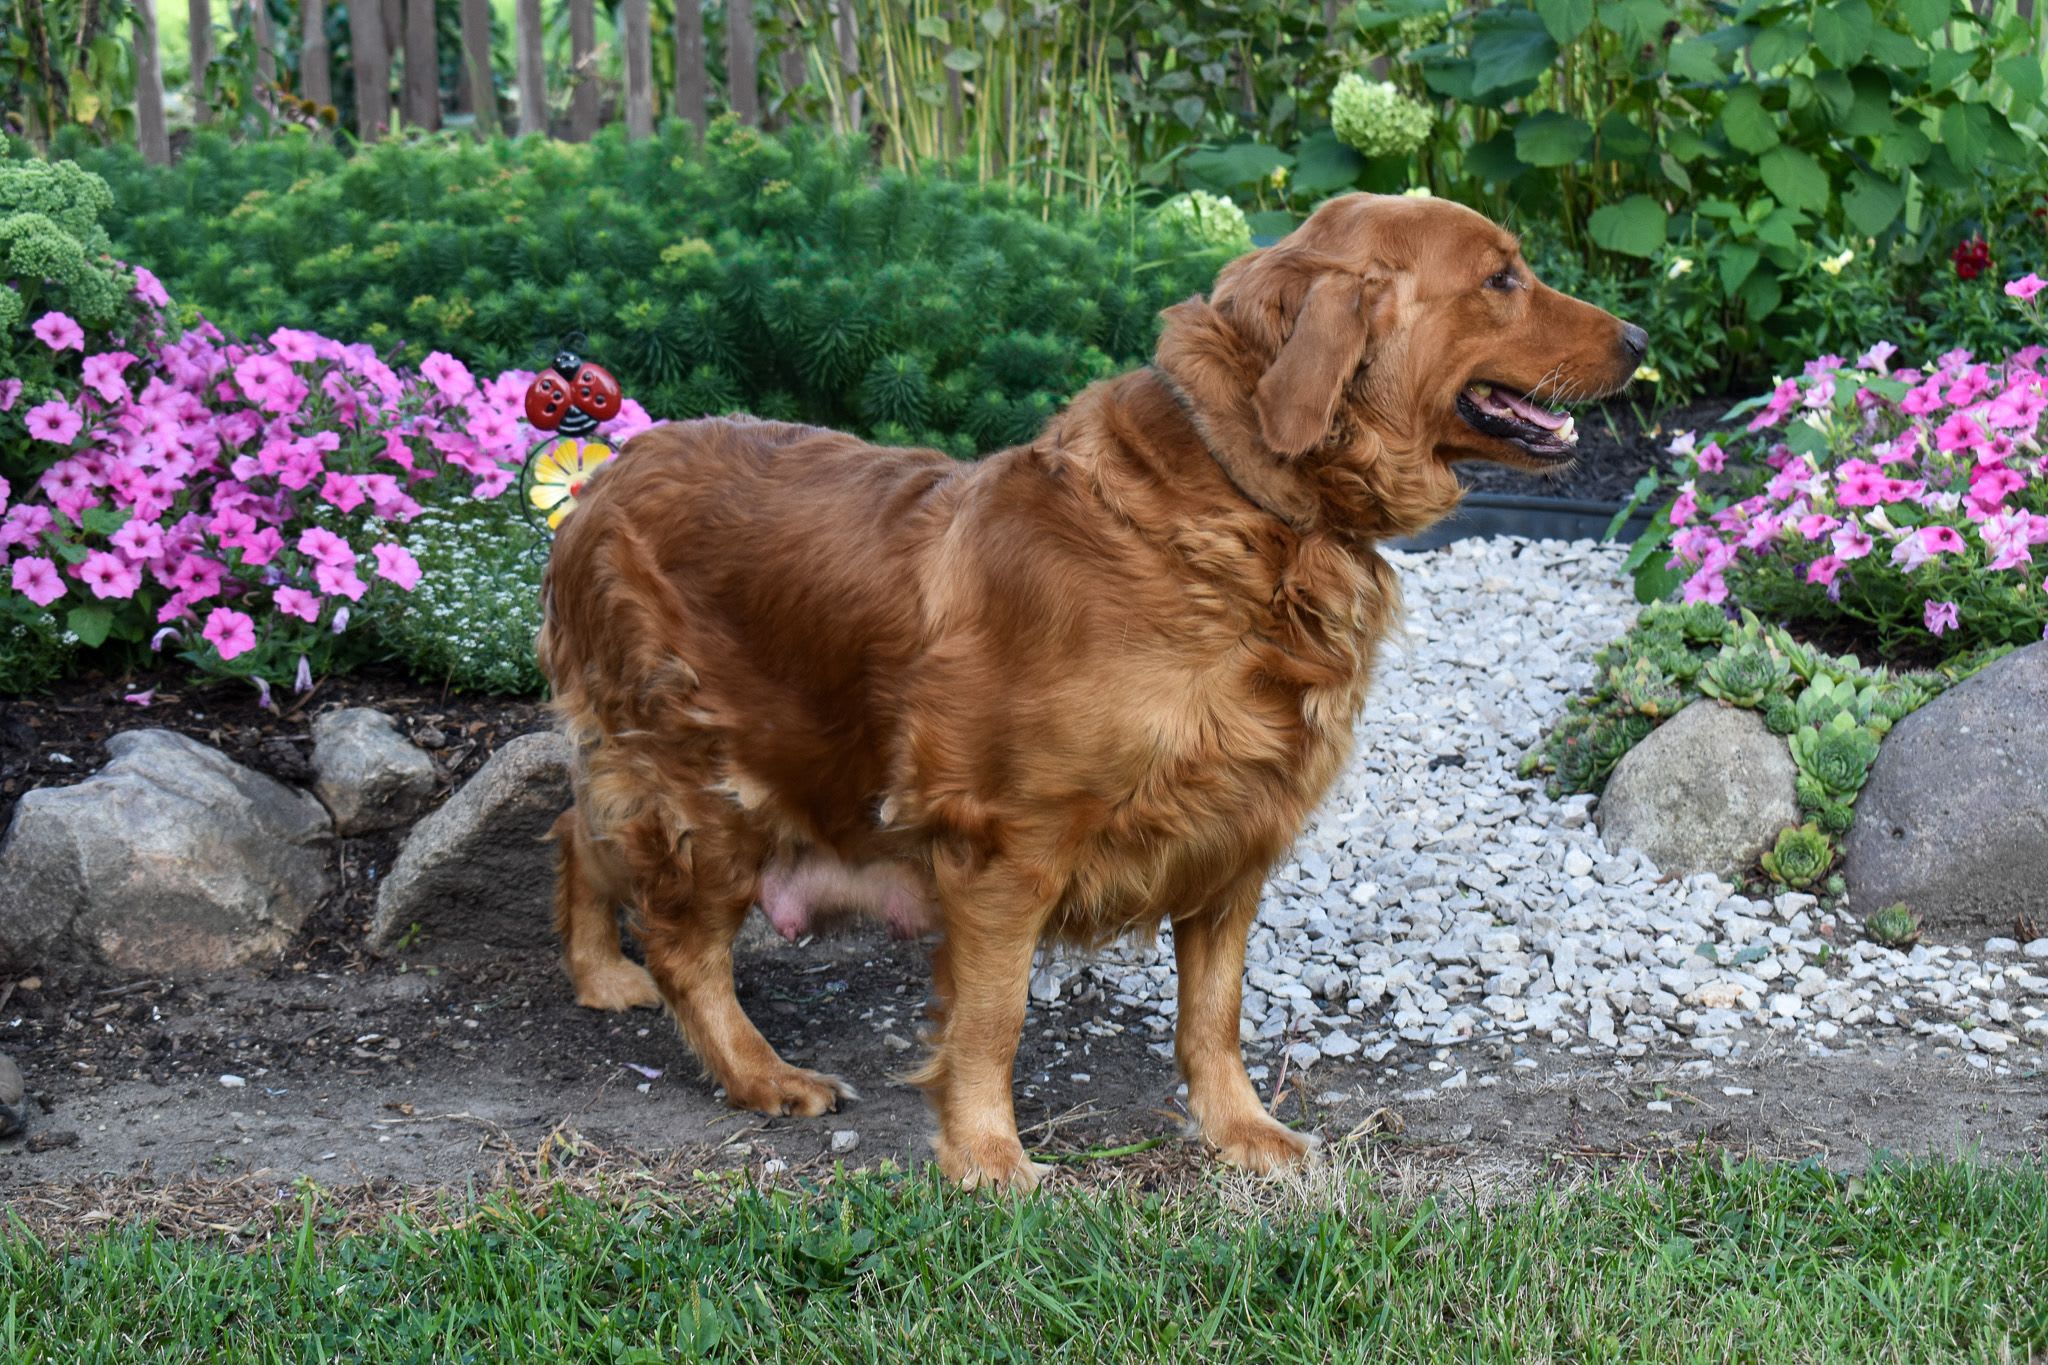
{"x":1073,"y":691}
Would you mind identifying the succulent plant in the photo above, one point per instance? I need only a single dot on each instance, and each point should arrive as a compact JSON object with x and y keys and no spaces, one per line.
{"x":1744,"y":673}
{"x":1644,"y":689}
{"x":1895,"y":926}
{"x":1702,"y":623}
{"x":1838,"y":755}
{"x":1836,"y":816}
{"x":1780,"y":717}
{"x":1801,"y":857}
{"x":1813,"y":794}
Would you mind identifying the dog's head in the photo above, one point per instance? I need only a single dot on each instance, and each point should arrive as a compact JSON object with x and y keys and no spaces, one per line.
{"x":1413,"y":322}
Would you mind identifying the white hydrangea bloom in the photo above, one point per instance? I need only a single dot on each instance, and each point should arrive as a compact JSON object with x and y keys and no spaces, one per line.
{"x":1208,"y":218}
{"x":1376,"y":119}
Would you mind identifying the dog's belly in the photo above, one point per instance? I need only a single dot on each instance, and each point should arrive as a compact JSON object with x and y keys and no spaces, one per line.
{"x":815,"y":889}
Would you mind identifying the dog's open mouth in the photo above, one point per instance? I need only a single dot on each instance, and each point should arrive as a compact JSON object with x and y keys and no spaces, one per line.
{"x":1507,"y":415}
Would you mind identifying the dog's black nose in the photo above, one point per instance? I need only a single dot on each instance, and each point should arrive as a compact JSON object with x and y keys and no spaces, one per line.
{"x":1636,"y":339}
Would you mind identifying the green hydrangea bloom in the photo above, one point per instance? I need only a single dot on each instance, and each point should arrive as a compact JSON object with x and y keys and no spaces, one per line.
{"x":1208,"y":218}
{"x":1376,"y":119}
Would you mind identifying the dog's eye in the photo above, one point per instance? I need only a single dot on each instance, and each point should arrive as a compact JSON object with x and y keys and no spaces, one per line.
{"x":1503,"y":280}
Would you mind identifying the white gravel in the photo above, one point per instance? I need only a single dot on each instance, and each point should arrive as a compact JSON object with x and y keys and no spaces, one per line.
{"x":1438,"y":901}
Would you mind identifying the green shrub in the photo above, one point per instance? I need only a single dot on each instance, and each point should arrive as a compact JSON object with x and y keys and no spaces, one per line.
{"x":470,"y":622}
{"x":54,"y":257}
{"x":777,"y":275}
{"x":34,"y":652}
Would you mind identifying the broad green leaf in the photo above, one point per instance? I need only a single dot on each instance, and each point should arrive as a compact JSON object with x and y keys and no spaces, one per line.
{"x":2022,"y":75}
{"x":1323,"y":165}
{"x":1761,"y":296}
{"x":1687,"y":145}
{"x":1245,"y":163}
{"x":934,"y":28}
{"x":1872,"y":204}
{"x":1835,"y":95}
{"x":90,"y":625}
{"x":1795,"y":177}
{"x":993,"y":22}
{"x":1781,"y":228}
{"x":1552,"y":139}
{"x":1966,"y":132}
{"x":1271,"y":224}
{"x":1897,"y":50}
{"x":1946,"y":66}
{"x":2006,"y":145}
{"x":1735,"y":263}
{"x":1633,"y":227}
{"x":1495,"y":160}
{"x":1565,"y":20}
{"x":1674,"y":171}
{"x":1190,"y":110}
{"x":1694,"y":59}
{"x":1842,"y":31}
{"x":963,"y":59}
{"x":1778,"y":45}
{"x":1870,"y":111}
{"x":1903,"y":148}
{"x":1750,"y":126}
{"x":104,"y":521}
{"x":1621,"y":140}
{"x":1510,"y":50}
{"x":1925,"y":17}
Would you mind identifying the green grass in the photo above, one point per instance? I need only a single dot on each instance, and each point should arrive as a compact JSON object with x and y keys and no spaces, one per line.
{"x":1717,"y":1261}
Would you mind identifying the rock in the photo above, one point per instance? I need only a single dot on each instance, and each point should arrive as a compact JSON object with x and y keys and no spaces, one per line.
{"x":844,"y":1141}
{"x":1708,"y":791}
{"x":478,"y":870}
{"x":366,"y":773}
{"x":171,"y":859}
{"x":1954,"y":819}
{"x":11,"y":1119}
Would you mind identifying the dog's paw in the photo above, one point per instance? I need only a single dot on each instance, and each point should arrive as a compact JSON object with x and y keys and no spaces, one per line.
{"x":621,"y":986}
{"x":1260,"y":1144}
{"x":990,"y":1163}
{"x":790,"y":1090}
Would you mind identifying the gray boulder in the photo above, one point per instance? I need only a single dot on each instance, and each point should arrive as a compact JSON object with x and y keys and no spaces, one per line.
{"x":1708,"y":791}
{"x":1954,"y":819}
{"x":478,"y":870}
{"x":367,"y":774}
{"x":171,"y":859}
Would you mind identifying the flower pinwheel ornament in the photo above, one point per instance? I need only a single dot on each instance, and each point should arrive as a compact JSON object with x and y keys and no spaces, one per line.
{"x":568,"y":401}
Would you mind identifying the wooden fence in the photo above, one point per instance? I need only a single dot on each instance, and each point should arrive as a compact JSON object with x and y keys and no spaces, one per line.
{"x":378,"y":30}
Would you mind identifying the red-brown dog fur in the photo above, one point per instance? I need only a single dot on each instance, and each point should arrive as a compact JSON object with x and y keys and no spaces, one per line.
{"x":1072,"y":691}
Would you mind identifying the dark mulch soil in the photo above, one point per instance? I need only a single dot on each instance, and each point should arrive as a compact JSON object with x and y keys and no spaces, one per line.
{"x":1618,"y":444}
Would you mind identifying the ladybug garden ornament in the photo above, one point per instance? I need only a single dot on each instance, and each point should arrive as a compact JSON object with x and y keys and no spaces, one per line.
{"x":570,"y":401}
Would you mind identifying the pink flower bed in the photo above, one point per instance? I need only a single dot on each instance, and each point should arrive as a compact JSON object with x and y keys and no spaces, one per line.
{"x":242,"y":503}
{"x":1897,"y":505}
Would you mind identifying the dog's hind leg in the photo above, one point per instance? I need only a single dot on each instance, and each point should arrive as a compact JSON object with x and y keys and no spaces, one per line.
{"x":692,"y":903}
{"x":1208,"y":950}
{"x":587,"y":920}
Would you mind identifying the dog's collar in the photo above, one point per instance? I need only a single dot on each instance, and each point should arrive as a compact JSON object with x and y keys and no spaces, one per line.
{"x":1246,"y":482}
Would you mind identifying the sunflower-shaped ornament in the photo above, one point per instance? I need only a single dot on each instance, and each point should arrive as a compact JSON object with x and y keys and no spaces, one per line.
{"x":569,"y":401}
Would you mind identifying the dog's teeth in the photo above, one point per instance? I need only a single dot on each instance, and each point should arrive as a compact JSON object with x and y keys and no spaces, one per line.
{"x":1569,"y":432}
{"x":1482,"y":390}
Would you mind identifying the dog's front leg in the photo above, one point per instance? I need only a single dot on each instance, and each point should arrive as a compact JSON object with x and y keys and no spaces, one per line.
{"x":983,"y":969}
{"x":1208,"y":949}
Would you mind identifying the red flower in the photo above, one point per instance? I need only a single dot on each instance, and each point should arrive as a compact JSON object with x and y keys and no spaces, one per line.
{"x":1972,"y":258}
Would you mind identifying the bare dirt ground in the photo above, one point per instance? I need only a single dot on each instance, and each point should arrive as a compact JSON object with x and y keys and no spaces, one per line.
{"x":416,"y":1072}
{"x":426,"y":1070}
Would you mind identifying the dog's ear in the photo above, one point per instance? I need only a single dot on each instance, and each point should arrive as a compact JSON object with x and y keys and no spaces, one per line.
{"x":1297,"y":397}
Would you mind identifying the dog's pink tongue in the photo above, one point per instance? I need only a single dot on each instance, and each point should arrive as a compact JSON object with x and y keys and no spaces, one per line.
{"x":1530,"y":412}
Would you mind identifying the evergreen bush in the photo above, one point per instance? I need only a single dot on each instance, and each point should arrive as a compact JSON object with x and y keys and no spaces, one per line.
{"x":777,"y":275}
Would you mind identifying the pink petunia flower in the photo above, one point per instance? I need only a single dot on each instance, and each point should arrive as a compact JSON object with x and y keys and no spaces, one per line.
{"x":54,"y":421}
{"x":58,"y":332}
{"x":396,"y":564}
{"x":449,"y":376}
{"x":1823,"y":570}
{"x":339,"y":581}
{"x":1711,"y":458}
{"x":109,"y":575}
{"x":297,"y":602}
{"x":326,"y":547}
{"x":10,"y":393}
{"x":229,"y":631}
{"x":36,"y":579}
{"x":1851,"y":542}
{"x":103,"y":374}
{"x":1941,"y":617}
{"x":140,"y":540}
{"x":342,"y":491}
{"x":2025,"y":287}
{"x":1685,"y":506}
{"x":150,"y":289}
{"x":1877,"y":357}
